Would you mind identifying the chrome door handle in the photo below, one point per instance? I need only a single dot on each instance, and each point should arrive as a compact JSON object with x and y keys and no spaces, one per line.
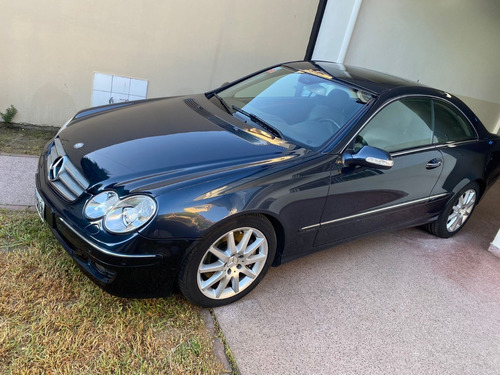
{"x":434,"y":163}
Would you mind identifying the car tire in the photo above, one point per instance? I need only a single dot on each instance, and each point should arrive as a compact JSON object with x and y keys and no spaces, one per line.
{"x":456,"y":213}
{"x":229,"y":262}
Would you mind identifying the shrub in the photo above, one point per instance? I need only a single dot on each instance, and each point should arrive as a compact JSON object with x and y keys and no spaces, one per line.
{"x":9,"y":114}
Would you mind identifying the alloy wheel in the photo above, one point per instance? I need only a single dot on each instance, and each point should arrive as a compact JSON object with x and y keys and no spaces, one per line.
{"x":232,"y":263}
{"x":461,"y":210}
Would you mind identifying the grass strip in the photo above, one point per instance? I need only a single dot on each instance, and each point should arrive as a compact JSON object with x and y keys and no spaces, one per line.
{"x":25,"y":139}
{"x":54,"y":320}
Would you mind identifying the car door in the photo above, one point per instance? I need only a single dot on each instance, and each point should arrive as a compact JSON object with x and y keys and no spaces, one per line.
{"x":365,"y":199}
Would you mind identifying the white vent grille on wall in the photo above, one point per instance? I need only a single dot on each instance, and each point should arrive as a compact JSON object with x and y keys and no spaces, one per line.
{"x":108,"y":89}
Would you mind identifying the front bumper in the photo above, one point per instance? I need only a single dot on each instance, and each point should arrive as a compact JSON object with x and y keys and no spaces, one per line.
{"x":132,"y":266}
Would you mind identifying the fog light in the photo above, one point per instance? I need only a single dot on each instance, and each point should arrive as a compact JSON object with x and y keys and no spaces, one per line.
{"x":102,"y":270}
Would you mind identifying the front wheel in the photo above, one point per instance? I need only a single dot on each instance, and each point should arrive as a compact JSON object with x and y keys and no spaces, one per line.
{"x":453,"y":218}
{"x":229,"y":262}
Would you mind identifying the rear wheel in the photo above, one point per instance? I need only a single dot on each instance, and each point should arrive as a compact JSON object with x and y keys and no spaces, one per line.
{"x":229,"y":262}
{"x":456,"y":213}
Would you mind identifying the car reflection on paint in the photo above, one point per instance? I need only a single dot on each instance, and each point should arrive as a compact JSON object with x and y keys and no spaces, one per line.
{"x":206,"y":192}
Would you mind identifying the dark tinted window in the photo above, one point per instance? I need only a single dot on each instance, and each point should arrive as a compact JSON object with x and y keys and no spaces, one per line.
{"x":450,"y":125}
{"x":403,"y":124}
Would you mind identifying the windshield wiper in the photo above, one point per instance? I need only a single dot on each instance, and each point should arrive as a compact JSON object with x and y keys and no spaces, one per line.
{"x":223,"y":103}
{"x":258,"y":120}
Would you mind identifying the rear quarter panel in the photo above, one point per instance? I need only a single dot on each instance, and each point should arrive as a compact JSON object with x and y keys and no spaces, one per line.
{"x":467,"y":162}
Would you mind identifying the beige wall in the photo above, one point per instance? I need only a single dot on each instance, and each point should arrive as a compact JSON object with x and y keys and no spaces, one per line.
{"x":50,"y":49}
{"x":450,"y":44}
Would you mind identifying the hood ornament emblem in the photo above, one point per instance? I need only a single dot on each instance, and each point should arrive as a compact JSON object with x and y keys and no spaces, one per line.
{"x":78,"y":145}
{"x":56,"y":168}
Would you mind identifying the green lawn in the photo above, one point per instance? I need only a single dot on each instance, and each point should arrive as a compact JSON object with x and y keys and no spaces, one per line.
{"x":54,"y":320}
{"x":28,"y":140}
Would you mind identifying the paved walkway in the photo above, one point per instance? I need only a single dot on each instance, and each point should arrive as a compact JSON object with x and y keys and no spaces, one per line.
{"x":17,"y":181}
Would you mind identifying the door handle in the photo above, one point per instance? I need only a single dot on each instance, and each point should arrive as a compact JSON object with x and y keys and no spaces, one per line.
{"x":434,"y":163}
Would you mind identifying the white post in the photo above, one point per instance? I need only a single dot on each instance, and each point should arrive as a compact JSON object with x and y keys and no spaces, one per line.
{"x":336,"y":30}
{"x":495,"y":245}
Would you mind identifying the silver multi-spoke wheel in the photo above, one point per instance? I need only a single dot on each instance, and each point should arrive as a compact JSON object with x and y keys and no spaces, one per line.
{"x":232,"y":263}
{"x":457,"y":211}
{"x":461,"y":210}
{"x":229,"y":261}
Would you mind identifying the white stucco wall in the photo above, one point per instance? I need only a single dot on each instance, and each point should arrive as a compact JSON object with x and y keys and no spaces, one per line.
{"x":450,"y":44}
{"x":50,"y":49}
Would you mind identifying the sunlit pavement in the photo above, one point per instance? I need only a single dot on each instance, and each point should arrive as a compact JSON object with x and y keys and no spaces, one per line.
{"x":397,"y":303}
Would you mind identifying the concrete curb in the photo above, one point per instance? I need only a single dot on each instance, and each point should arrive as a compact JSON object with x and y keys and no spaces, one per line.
{"x":19,"y":155}
{"x":218,"y":346}
{"x":14,"y":207}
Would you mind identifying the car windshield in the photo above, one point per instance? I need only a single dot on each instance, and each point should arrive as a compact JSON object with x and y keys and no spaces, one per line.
{"x":303,"y":107}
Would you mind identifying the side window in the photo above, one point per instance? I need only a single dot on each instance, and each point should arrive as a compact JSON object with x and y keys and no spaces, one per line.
{"x":401,"y":125}
{"x":450,"y":126}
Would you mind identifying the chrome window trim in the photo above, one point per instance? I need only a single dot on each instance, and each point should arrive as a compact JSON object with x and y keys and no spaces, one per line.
{"x":416,"y":96}
{"x":104,"y":251}
{"x":426,"y":199}
{"x":436,"y":146}
{"x":413,"y":150}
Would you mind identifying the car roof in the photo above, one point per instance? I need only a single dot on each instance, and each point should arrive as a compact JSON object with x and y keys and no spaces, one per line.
{"x":370,"y":80}
{"x":381,"y":83}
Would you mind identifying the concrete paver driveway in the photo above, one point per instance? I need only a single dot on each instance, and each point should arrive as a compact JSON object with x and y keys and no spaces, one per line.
{"x":397,"y":303}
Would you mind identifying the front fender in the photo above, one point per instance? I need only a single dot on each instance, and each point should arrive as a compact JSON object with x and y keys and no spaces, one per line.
{"x":293,"y":194}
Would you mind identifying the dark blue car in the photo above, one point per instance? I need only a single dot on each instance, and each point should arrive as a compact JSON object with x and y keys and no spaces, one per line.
{"x":205,"y":192}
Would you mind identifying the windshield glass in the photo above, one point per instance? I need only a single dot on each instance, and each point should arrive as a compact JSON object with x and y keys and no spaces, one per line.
{"x":301,"y":107}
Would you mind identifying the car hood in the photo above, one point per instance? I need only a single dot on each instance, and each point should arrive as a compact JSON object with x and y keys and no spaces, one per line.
{"x":171,"y":136}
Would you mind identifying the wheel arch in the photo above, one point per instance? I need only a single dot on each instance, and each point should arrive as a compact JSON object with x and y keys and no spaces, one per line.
{"x":482,"y":187}
{"x":276,"y":223}
{"x":279,"y":230}
{"x":467,"y":181}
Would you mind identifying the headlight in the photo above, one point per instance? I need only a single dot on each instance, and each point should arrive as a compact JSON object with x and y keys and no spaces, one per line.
{"x":98,"y":206}
{"x":129,"y":214}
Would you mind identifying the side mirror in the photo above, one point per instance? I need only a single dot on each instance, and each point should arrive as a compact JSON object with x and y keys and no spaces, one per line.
{"x":369,"y":157}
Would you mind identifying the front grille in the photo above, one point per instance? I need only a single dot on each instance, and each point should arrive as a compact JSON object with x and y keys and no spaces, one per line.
{"x":63,"y":175}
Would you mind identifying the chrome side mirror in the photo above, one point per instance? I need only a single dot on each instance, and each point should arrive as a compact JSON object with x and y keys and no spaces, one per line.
{"x":369,"y":157}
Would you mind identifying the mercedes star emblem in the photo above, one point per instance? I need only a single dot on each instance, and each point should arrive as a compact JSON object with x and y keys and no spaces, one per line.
{"x":56,"y":168}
